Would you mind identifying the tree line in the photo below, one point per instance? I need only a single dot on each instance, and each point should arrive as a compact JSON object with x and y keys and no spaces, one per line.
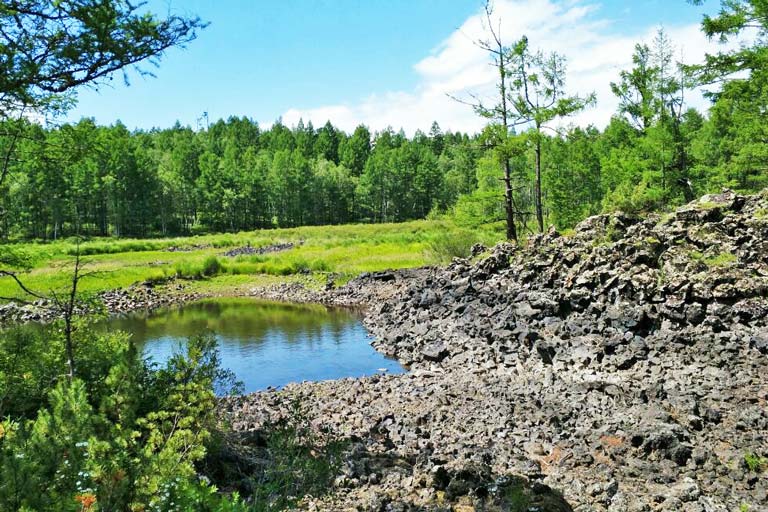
{"x":106,"y":180}
{"x":655,"y":153}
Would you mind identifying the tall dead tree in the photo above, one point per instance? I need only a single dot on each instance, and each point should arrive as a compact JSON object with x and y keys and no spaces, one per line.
{"x":531,"y":93}
{"x":66,"y":307}
{"x":500,"y":59}
{"x":65,"y":304}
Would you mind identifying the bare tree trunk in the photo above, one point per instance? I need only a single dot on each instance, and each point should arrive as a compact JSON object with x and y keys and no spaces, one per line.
{"x":508,"y":203}
{"x":69,"y":315}
{"x":508,"y":200}
{"x":537,"y":189}
{"x":67,"y":309}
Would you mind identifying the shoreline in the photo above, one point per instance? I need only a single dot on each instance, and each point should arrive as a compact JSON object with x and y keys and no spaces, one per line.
{"x":626,"y":376}
{"x":621,"y":366}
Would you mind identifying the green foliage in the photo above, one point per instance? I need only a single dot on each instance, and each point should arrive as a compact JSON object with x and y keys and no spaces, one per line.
{"x":721,"y":260}
{"x":638,"y":198}
{"x":715,"y":260}
{"x":343,"y":250}
{"x":211,"y":266}
{"x":49,"y":48}
{"x":446,"y":246}
{"x":516,"y":498}
{"x":518,"y":495}
{"x":103,"y":181}
{"x":301,"y":462}
{"x":126,"y":434}
{"x":755,"y":463}
{"x":572,"y":177}
{"x":107,"y":181}
{"x":123,"y":435}
{"x":15,"y":257}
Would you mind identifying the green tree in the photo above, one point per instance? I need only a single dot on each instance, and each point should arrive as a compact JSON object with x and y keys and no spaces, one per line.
{"x":537,"y":97}
{"x":356,"y":150}
{"x":573,"y":176}
{"x":437,"y":140}
{"x":732,"y":144}
{"x":652,"y":98}
{"x":327,"y":143}
{"x":500,"y":113}
{"x":636,"y":89}
{"x":49,"y":48}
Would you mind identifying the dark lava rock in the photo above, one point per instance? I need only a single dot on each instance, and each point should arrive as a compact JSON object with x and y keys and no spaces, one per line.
{"x":623,"y":366}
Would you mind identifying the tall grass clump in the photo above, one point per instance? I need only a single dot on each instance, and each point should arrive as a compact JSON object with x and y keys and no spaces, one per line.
{"x":447,"y":245}
{"x":212,"y":266}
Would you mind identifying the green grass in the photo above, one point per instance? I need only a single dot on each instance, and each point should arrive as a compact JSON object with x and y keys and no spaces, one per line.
{"x":755,"y":463}
{"x":716,"y":260}
{"x":708,"y":205}
{"x":345,"y":251}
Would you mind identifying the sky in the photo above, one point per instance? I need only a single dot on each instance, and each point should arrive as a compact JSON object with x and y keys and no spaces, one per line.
{"x":382,"y":63}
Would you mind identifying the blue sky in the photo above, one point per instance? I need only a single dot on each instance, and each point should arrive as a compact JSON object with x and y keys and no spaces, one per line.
{"x":379,"y":62}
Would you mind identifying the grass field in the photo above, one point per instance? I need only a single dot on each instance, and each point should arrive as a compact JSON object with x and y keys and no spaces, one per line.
{"x":343,"y":251}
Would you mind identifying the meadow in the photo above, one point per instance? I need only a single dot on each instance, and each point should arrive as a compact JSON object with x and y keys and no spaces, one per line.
{"x":318,"y":252}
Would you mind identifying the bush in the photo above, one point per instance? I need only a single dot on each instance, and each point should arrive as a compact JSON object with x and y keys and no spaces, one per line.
{"x":186,"y":270}
{"x":211,"y":266}
{"x":285,"y":461}
{"x":454,"y":244}
{"x":15,"y":257}
{"x":122,"y":435}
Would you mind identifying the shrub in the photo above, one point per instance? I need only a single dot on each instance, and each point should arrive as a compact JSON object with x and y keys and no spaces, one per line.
{"x":286,"y":460}
{"x":122,"y":435}
{"x":451,"y":244}
{"x":211,"y":266}
{"x":186,"y":270}
{"x":15,"y":256}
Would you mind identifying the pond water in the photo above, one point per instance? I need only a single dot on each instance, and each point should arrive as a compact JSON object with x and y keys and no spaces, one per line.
{"x":264,"y":344}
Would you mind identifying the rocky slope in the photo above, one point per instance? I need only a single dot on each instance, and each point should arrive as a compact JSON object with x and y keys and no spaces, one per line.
{"x":366,"y":289}
{"x":623,"y":366}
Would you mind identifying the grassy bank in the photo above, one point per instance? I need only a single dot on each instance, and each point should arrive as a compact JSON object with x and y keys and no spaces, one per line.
{"x":318,"y":251}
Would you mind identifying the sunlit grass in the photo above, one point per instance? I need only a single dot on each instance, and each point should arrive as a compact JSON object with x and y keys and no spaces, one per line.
{"x":344,"y":251}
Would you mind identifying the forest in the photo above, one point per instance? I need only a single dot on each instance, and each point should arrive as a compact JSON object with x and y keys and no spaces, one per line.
{"x":656,"y":152}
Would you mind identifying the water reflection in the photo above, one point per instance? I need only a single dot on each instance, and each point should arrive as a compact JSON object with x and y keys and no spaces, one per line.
{"x":265,"y":344}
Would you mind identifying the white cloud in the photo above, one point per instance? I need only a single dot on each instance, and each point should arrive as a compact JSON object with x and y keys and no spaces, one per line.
{"x":595,"y":49}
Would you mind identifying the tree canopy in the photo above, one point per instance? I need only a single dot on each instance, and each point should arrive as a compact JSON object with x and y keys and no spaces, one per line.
{"x":49,"y":48}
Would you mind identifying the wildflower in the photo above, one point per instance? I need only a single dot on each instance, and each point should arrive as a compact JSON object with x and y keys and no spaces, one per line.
{"x":86,"y":501}
{"x":81,"y":444}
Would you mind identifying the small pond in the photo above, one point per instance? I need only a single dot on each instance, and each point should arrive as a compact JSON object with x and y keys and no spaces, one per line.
{"x":263,"y":343}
